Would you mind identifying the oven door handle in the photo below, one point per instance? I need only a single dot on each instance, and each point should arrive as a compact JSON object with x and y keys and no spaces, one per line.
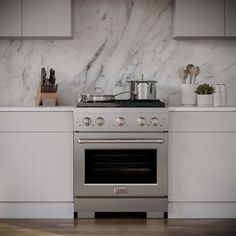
{"x":89,"y":141}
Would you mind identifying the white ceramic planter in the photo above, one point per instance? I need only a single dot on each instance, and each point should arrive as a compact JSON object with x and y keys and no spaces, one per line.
{"x":188,"y":96}
{"x":205,"y":100}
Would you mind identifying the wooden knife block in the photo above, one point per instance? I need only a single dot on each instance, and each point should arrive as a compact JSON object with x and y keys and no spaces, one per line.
{"x":41,"y":96}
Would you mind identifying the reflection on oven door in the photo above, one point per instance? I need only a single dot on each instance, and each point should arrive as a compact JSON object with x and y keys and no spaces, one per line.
{"x":120,"y":166}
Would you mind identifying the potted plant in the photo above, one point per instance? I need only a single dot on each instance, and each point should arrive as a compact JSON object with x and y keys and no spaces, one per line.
{"x":205,"y":94}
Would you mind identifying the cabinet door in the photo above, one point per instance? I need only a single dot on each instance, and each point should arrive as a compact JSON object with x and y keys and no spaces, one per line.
{"x":230,"y":18}
{"x":10,"y":18}
{"x":36,"y":167}
{"x":202,"y":167}
{"x":47,"y":18}
{"x":198,"y":18}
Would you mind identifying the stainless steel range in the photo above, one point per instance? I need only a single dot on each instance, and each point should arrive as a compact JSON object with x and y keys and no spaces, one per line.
{"x":120,"y":158}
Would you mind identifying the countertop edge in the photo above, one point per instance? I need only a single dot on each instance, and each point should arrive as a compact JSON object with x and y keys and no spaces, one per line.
{"x":71,"y":109}
{"x":202,"y":109}
{"x":37,"y":109}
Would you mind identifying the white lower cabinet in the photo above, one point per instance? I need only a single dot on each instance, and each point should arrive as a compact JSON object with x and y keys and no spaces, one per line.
{"x":202,"y":176}
{"x":36,"y":168}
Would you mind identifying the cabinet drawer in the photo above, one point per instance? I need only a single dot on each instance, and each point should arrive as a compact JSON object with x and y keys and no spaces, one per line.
{"x":202,"y":121}
{"x":36,"y":121}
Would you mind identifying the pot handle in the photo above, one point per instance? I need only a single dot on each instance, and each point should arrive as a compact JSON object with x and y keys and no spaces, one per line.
{"x":122,"y":93}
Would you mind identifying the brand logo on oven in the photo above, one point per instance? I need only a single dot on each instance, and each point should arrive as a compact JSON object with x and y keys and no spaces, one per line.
{"x":120,"y":190}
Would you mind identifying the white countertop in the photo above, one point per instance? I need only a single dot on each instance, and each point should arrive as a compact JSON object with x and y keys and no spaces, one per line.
{"x":71,"y":109}
{"x":202,"y":109}
{"x":57,"y":108}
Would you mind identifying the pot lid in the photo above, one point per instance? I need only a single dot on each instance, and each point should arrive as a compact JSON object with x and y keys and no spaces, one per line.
{"x":96,"y":92}
{"x":143,"y":81}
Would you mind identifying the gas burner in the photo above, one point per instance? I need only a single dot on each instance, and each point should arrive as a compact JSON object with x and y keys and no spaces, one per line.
{"x":123,"y":103}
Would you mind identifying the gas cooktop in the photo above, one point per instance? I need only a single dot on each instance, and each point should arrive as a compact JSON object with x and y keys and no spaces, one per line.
{"x":123,"y":103}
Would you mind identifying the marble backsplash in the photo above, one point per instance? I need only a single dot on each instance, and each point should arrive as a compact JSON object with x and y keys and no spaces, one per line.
{"x":114,"y":40}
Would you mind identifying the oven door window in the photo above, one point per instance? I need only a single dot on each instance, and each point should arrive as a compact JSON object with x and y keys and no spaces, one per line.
{"x":120,"y":166}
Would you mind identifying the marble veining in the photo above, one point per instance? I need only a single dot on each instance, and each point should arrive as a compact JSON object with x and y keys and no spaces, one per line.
{"x":114,"y":41}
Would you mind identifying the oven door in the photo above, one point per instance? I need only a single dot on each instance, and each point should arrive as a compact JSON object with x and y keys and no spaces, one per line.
{"x":120,"y":164}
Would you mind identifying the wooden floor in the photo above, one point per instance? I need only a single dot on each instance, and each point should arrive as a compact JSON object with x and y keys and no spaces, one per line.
{"x":135,"y":227}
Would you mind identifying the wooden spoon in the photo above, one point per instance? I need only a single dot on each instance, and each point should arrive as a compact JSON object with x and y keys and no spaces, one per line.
{"x":185,"y":75}
{"x":188,"y":68}
{"x":196,"y":73}
{"x":181,"y":74}
{"x":192,"y":73}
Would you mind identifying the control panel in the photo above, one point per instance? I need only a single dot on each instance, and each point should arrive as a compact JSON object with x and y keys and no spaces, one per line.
{"x":120,"y":120}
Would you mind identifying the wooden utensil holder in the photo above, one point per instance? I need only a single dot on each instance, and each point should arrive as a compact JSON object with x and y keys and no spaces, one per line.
{"x":40,"y":96}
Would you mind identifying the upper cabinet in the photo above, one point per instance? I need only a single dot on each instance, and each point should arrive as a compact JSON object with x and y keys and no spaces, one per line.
{"x":34,"y":18}
{"x":198,"y":18}
{"x":230,"y":18}
{"x":10,"y":18}
{"x":204,"y":18}
{"x":47,"y":18}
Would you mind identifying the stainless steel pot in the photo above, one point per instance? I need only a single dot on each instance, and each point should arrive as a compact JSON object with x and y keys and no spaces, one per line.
{"x":143,"y":89}
{"x":98,"y":96}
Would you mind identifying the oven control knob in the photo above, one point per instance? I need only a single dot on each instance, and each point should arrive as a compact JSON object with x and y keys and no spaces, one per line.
{"x":141,"y":121}
{"x":99,"y":121}
{"x":120,"y":121}
{"x":154,"y":121}
{"x":87,"y":121}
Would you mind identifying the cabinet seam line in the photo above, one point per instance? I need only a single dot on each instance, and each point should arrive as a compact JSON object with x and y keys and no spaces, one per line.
{"x":21,"y":2}
{"x":224,"y":17}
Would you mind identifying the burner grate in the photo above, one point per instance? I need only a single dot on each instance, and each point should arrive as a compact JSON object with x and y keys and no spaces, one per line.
{"x":123,"y":103}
